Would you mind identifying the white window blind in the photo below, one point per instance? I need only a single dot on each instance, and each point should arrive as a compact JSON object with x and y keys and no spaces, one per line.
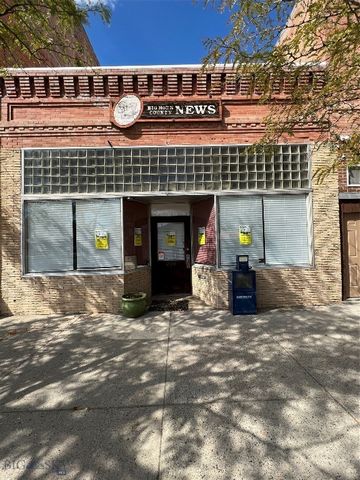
{"x":233,"y":212}
{"x":174,"y":251}
{"x":90,"y":216}
{"x":286,"y":230}
{"x":49,"y":236}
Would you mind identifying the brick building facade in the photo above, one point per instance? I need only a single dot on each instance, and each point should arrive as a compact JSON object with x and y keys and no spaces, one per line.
{"x":78,"y":51}
{"x":349,"y":200}
{"x":91,"y":209}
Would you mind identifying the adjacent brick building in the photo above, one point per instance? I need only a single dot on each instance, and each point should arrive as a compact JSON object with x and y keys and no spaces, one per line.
{"x":71,"y":51}
{"x":92,"y":208}
{"x":349,"y":178}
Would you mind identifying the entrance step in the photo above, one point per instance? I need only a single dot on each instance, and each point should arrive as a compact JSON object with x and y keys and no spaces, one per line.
{"x":168,"y":303}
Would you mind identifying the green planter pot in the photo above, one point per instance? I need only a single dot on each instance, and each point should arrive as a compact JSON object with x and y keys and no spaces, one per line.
{"x":134,"y":304}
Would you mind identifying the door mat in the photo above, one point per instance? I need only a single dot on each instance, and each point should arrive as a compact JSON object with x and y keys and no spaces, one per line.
{"x":169,"y":305}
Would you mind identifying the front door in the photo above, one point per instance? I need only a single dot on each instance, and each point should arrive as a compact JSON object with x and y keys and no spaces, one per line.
{"x":171,"y":259}
{"x":351,"y":252}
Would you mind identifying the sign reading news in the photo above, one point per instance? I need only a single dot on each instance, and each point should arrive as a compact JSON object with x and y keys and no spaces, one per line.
{"x":130,"y":109}
{"x":181,"y":110}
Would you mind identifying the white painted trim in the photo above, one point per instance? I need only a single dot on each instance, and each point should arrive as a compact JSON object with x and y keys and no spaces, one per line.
{"x":310,"y":150}
{"x":106,"y":68}
{"x":186,"y":145}
{"x":311,"y":233}
{"x":22,"y":216}
{"x":75,"y":273}
{"x":84,"y":196}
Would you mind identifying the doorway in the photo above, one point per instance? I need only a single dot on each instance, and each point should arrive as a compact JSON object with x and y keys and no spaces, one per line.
{"x":171,"y":255}
{"x":351,"y":249}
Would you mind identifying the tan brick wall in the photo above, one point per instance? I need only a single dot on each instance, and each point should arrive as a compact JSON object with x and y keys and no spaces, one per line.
{"x":282,"y":287}
{"x":43,"y":294}
{"x":211,"y":285}
{"x":102,"y":293}
{"x":50,"y":294}
{"x":138,"y":280}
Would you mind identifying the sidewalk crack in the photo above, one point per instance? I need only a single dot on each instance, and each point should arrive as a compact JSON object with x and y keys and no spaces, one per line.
{"x":164,"y":399}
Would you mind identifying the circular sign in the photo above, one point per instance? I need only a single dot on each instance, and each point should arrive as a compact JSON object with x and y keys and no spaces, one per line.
{"x":127,"y":110}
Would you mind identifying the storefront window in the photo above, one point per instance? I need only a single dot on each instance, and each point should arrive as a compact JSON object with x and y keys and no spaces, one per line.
{"x":271,"y":229}
{"x":286,"y":232}
{"x":49,"y":236}
{"x":70,"y":235}
{"x":235,"y":212}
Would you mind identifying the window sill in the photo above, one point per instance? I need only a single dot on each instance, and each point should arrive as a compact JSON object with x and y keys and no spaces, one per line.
{"x":77,"y":273}
{"x":258,"y":267}
{"x":272,"y":267}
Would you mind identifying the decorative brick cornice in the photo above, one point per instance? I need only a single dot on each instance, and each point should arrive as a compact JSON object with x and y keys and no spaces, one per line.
{"x":107,"y":129}
{"x":145,"y":82}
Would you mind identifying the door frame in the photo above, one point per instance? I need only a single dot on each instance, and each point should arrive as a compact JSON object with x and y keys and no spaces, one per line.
{"x":346,"y":206}
{"x":153,"y":220}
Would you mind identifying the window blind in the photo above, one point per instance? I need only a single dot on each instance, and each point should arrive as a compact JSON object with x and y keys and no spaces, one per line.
{"x":92,"y":215}
{"x":235,"y":211}
{"x":49,"y":236}
{"x":174,"y":251}
{"x":286,"y":230}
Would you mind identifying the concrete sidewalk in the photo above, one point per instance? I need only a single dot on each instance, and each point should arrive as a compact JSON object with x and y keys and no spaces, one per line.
{"x":185,"y":396}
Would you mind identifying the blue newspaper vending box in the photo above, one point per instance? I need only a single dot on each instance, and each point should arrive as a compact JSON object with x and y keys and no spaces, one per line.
{"x":243,"y":288}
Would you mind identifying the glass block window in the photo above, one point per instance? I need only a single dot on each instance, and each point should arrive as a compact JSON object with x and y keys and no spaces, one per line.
{"x":165,"y":169}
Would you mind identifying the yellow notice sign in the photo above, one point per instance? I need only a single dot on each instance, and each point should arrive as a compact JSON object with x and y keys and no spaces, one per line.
{"x":201,"y":236}
{"x":245,"y":235}
{"x":137,"y":237}
{"x":171,"y":239}
{"x":101,"y":239}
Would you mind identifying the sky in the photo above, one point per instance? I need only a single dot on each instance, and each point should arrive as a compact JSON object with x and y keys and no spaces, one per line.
{"x":155,"y":32}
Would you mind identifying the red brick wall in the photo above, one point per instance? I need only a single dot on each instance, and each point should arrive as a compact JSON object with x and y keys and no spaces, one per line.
{"x":81,"y":102}
{"x":136,"y":215}
{"x":203,"y":215}
{"x":45,"y":58}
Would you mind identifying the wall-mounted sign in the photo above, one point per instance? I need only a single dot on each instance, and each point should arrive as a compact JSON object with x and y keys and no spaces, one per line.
{"x":245,"y":235}
{"x":171,"y":239}
{"x":161,"y":255}
{"x":101,"y":239}
{"x":130,"y":109}
{"x":127,"y":110}
{"x":207,"y":110}
{"x":137,"y":237}
{"x":201,"y":236}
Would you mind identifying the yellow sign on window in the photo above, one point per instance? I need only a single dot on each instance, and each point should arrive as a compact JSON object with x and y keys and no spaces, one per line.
{"x":201,"y":236}
{"x":245,"y":235}
{"x":137,"y":237}
{"x":101,"y":239}
{"x":171,"y":239}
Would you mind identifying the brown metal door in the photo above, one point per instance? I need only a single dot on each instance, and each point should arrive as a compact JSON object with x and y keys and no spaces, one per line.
{"x":170,"y":260}
{"x":351,"y":251}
